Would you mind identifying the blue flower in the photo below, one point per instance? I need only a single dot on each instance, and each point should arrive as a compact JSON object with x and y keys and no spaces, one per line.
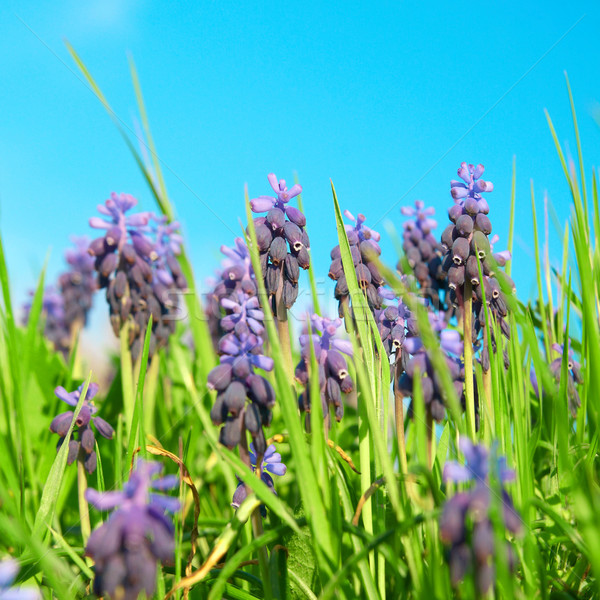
{"x":271,"y":464}
{"x":138,"y":534}
{"x":8,"y":571}
{"x":81,"y":448}
{"x":465,"y":525}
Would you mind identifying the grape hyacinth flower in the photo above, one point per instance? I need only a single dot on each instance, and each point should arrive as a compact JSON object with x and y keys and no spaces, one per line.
{"x":423,"y":252}
{"x":573,"y":377}
{"x":8,"y":572}
{"x":78,"y":285}
{"x":283,"y":243}
{"x":466,"y":240}
{"x":137,"y":536}
{"x":334,"y":380}
{"x":271,"y":465}
{"x":53,"y":311}
{"x":136,"y":263}
{"x":66,"y":306}
{"x":364,"y":248}
{"x":235,"y":278}
{"x":429,"y":380}
{"x":81,"y":448}
{"x":465,"y":525}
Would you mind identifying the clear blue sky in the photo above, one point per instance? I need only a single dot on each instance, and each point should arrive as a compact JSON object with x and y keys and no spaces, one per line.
{"x":385,"y":98}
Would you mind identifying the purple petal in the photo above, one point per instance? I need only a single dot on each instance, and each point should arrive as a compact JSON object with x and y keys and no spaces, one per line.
{"x":65,"y":396}
{"x":104,"y":428}
{"x":262,"y":362}
{"x":277,"y":468}
{"x":262,"y":204}
{"x":167,"y":503}
{"x":457,"y":473}
{"x":274,"y":182}
{"x":98,"y":223}
{"x":138,"y":219}
{"x":296,"y":189}
{"x":8,"y":571}
{"x":167,"y":482}
{"x":413,"y":344}
{"x":104,"y":500}
{"x":344,"y":346}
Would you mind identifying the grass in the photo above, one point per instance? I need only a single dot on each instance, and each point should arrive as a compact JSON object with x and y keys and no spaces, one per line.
{"x":330,"y":532}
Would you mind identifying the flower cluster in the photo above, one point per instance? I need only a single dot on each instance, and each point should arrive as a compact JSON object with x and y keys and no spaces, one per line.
{"x":283,"y":243}
{"x":423,"y":252}
{"x":138,"y":534}
{"x":271,"y":465}
{"x":464,"y":242}
{"x":465,"y":525}
{"x":240,"y":348}
{"x":66,"y":307}
{"x":364,"y":248}
{"x":81,"y":448}
{"x":136,"y":263}
{"x":235,"y":277}
{"x":573,"y":376}
{"x":334,"y":379}
{"x":429,"y":380}
{"x":8,"y":572}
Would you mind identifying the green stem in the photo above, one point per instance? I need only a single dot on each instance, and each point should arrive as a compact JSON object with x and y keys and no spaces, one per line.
{"x":257,"y":528}
{"x":281,"y":317}
{"x":126,"y":378}
{"x":84,"y":511}
{"x":468,"y":343}
{"x":399,"y":413}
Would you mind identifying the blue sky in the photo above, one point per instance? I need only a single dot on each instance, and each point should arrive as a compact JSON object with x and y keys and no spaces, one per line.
{"x":384,"y":98}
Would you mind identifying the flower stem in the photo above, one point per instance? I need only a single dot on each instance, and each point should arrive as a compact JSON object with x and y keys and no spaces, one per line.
{"x":257,"y":528}
{"x":468,"y":344}
{"x":84,"y":512}
{"x":281,"y":316}
{"x":126,"y":377}
{"x":399,"y":412}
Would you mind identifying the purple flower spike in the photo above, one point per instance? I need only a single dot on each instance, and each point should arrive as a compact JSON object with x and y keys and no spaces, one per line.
{"x":475,"y":549}
{"x":283,"y":243}
{"x":136,"y":537}
{"x":365,"y":251}
{"x":136,"y":261}
{"x":8,"y":572}
{"x":423,"y":253}
{"x":82,"y":448}
{"x":334,"y":379}
{"x":271,"y":464}
{"x":470,"y":262}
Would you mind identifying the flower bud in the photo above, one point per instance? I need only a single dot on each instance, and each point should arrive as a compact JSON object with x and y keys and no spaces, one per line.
{"x":252,"y":418}
{"x":97,"y":247}
{"x":295,"y":216}
{"x":276,"y":218}
{"x":113,"y":236}
{"x":219,"y":377}
{"x":293,"y":234}
{"x":263,"y":237}
{"x":292,"y":269}
{"x":234,"y":397}
{"x":336,"y":270}
{"x":278,"y":250}
{"x":480,"y":244}
{"x":303,"y":257}
{"x":336,"y":364}
{"x":231,"y":432}
{"x":483,"y":224}
{"x":290,"y":293}
{"x":460,"y":251}
{"x":456,"y":277}
{"x":464,"y":225}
